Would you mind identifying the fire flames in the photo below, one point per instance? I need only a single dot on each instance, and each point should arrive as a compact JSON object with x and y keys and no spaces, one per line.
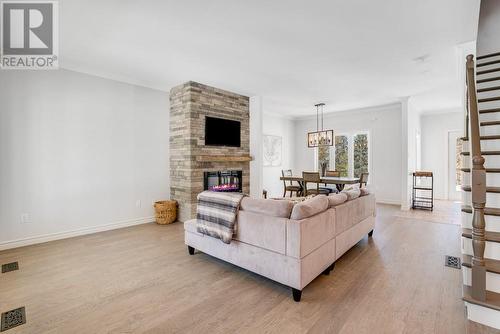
{"x":225,"y":187}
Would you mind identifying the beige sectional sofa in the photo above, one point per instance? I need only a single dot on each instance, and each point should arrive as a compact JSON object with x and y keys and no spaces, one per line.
{"x":290,"y":243}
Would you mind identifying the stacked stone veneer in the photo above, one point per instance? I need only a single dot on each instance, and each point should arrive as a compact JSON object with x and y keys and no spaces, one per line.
{"x":190,"y":103}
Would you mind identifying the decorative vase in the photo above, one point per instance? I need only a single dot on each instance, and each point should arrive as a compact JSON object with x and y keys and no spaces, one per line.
{"x":323,"y":165}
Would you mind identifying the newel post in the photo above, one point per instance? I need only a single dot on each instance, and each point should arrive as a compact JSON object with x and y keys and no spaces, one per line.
{"x":478,"y":228}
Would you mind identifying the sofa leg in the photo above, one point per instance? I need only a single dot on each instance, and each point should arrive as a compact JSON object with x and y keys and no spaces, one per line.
{"x":330,"y":268}
{"x":191,"y":250}
{"x":370,"y":233}
{"x":297,"y":294}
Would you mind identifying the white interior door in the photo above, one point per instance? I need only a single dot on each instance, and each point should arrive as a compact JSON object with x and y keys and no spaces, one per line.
{"x":453,"y":182}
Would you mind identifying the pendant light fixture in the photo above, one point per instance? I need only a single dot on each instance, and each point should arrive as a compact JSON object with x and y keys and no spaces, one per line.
{"x":320,"y":137}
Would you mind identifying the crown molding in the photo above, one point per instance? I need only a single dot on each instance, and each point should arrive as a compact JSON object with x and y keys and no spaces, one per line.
{"x":382,"y":107}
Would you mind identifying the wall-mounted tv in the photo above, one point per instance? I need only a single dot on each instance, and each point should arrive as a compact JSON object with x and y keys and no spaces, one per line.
{"x":222,"y":132}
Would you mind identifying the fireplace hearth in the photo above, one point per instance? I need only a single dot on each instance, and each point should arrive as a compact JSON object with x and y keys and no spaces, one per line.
{"x":223,"y":181}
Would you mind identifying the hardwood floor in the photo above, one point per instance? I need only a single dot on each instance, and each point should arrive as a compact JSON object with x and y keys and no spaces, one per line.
{"x":142,"y":280}
{"x":445,"y":212}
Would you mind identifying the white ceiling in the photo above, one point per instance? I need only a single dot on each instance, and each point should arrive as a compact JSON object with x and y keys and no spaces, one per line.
{"x":349,"y":54}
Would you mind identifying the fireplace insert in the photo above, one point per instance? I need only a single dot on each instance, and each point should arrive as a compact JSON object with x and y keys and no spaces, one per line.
{"x":226,"y":181}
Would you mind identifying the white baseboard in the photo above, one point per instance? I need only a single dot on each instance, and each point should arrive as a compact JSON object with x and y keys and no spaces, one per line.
{"x":388,"y":201}
{"x":73,"y":233}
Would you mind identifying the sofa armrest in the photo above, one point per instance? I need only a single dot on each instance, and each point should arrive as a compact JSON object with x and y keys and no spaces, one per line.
{"x":306,"y":235}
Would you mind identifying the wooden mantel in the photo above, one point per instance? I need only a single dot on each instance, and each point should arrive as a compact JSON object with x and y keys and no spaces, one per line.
{"x":223,"y":158}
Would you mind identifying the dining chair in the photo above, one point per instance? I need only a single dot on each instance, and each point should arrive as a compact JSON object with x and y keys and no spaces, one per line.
{"x":363,"y":179}
{"x":331,"y":173}
{"x":313,"y":177}
{"x":289,"y":187}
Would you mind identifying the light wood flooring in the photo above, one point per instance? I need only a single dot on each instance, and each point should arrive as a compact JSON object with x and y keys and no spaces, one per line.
{"x":445,"y":212}
{"x":142,"y":280}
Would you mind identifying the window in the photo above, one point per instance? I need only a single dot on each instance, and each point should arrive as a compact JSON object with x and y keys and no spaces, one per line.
{"x":360,"y":154}
{"x":351,"y":154}
{"x":341,"y":154}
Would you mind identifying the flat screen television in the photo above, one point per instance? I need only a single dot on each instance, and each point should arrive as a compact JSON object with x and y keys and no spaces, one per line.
{"x":222,"y":132}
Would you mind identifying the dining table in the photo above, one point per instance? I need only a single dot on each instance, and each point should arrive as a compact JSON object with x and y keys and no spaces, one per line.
{"x":338,"y":181}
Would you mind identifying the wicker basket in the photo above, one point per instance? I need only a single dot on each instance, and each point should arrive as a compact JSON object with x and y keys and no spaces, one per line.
{"x":165,"y":212}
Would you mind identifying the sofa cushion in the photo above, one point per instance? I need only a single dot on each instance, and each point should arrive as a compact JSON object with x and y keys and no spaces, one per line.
{"x":364,"y":191}
{"x":268,"y":207}
{"x":344,"y":241}
{"x":310,"y":207}
{"x":262,"y":231}
{"x":305,"y":235}
{"x":336,"y":199}
{"x":344,"y":216}
{"x":352,"y":212}
{"x":352,"y":193}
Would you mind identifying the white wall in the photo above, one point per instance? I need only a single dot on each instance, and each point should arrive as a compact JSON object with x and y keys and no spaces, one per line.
{"x":435,"y":128}
{"x":488,"y":39}
{"x":77,"y":153}
{"x":384,"y":125}
{"x":278,"y":126}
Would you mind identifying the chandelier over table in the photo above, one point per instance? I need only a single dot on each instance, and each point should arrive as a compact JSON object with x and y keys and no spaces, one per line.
{"x":320,"y":137}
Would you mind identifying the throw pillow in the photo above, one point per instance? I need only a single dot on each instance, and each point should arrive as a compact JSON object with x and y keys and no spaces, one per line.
{"x":267,"y":207}
{"x":310,"y":207}
{"x":336,"y":199}
{"x":352,"y":193}
{"x":365,"y":191}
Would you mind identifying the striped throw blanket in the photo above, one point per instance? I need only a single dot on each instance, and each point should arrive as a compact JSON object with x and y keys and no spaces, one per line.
{"x":216,"y":214}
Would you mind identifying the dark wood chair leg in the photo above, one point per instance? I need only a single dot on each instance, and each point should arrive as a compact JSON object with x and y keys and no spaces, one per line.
{"x":297,"y":294}
{"x":191,"y":250}
{"x":370,"y":234}
{"x":284,"y":193}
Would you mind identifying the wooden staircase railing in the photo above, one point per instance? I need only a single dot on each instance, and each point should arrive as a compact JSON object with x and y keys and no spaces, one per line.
{"x":478,"y":185}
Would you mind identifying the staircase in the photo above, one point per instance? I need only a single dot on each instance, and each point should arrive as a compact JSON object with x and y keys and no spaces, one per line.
{"x":481,"y":192}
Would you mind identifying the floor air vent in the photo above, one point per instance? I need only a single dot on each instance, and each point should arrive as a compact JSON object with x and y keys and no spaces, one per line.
{"x":10,"y":267}
{"x":453,"y":262}
{"x":13,"y":318}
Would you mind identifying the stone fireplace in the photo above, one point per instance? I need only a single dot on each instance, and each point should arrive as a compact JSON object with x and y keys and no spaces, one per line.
{"x":192,"y":163}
